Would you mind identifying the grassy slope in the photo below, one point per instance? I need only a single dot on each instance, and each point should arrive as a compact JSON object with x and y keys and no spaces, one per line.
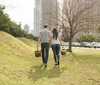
{"x":18,"y":65}
{"x":29,"y":42}
{"x":15,"y":59}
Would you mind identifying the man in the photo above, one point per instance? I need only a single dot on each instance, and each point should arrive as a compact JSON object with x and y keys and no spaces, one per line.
{"x":44,"y":38}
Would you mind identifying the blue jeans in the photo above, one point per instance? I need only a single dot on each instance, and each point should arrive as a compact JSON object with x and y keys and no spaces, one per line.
{"x":45,"y":52}
{"x":56,"y":52}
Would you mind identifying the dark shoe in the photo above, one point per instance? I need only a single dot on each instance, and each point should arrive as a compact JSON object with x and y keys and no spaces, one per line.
{"x":58,"y":63}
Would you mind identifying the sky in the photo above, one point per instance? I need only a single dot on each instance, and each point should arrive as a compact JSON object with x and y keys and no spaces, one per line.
{"x":20,"y":11}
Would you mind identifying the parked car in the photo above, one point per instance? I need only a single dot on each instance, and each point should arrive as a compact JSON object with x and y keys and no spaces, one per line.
{"x":76,"y":44}
{"x":86,"y":44}
{"x":65,"y":43}
{"x":95,"y":44}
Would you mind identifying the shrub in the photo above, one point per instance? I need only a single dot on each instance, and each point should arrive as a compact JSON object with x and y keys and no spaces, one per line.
{"x":98,"y":39}
{"x":86,"y":38}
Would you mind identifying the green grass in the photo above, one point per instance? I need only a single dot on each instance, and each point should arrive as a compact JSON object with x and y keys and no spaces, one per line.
{"x":18,"y":65}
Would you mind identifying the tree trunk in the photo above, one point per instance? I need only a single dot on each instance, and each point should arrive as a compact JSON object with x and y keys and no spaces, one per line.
{"x":70,"y":45}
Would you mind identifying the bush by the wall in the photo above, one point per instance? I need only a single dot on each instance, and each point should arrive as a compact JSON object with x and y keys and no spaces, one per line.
{"x":86,"y":38}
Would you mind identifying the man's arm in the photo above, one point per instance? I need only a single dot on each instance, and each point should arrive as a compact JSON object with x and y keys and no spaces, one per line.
{"x":39,"y":38}
{"x":50,"y":37}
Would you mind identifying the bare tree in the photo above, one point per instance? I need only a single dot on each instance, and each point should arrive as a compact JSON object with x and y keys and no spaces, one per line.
{"x":74,"y":17}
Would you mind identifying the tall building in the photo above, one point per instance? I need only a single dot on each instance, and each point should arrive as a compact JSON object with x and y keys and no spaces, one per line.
{"x":37,"y":17}
{"x":27,"y":28}
{"x":45,"y":12}
{"x":94,"y":18}
{"x":50,"y":13}
{"x":88,"y":19}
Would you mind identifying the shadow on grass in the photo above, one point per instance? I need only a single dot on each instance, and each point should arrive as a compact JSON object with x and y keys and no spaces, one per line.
{"x":79,"y":58}
{"x":75,"y":58}
{"x":54,"y":72}
{"x":74,"y":55}
{"x":38,"y":72}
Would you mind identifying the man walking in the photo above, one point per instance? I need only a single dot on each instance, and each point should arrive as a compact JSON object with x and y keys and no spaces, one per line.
{"x":44,"y":38}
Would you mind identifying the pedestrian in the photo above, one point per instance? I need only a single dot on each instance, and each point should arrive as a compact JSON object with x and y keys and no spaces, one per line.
{"x":44,"y":38}
{"x":55,"y":45}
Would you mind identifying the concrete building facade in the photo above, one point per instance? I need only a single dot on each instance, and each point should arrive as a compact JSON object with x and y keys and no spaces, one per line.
{"x":89,"y":20}
{"x":45,"y":12}
{"x":37,"y":17}
{"x":50,"y":13}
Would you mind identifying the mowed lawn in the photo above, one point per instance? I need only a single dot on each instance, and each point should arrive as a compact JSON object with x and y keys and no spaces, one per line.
{"x":19,"y":66}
